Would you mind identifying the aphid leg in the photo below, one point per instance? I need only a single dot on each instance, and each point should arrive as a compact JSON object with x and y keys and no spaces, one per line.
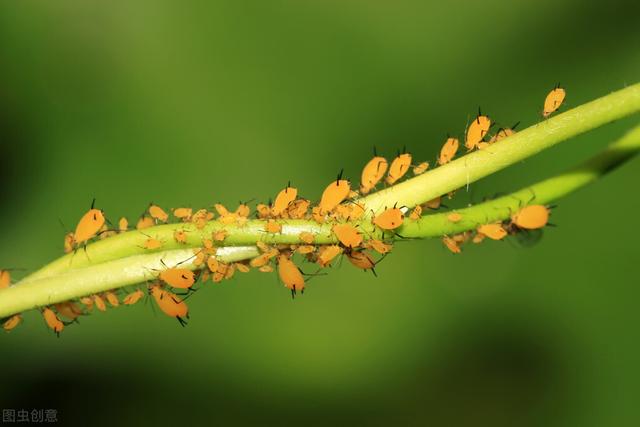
{"x":182,"y":322}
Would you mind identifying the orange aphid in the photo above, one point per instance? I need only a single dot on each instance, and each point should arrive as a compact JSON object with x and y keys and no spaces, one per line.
{"x":133,"y":297}
{"x":416,"y":213}
{"x":553,"y":101}
{"x":87,"y":301}
{"x":99,"y":303}
{"x":434,"y":203}
{"x":123,"y":224}
{"x":52,"y":320}
{"x":283,"y":199}
{"x":372,"y":173}
{"x":305,"y":249}
{"x":348,"y":235}
{"x":478,"y":238}
{"x":264,"y":211}
{"x":152,"y":244}
{"x":298,"y":208}
{"x":266,"y":269}
{"x":379,"y":246}
{"x":5,"y":278}
{"x":327,"y":254}
{"x":317,"y":215}
{"x":12,"y":322}
{"x":112,"y":298}
{"x":183,"y":213}
{"x":454,"y":217}
{"x":219,"y":235}
{"x":221,"y":209}
{"x":399,"y":167}
{"x":390,"y":219}
{"x":170,"y":304}
{"x":201,"y":217}
{"x":264,"y":258}
{"x":421,"y":168}
{"x":178,"y":277}
{"x":243,"y":210}
{"x":199,"y":257}
{"x":362,"y":260}
{"x":290,"y":274}
{"x":158,"y":213}
{"x":209,"y":247}
{"x":89,"y":225}
{"x":272,"y":227}
{"x":242,"y":268}
{"x":144,"y":222}
{"x":306,"y":237}
{"x":531,"y":217}
{"x":477,"y":130}
{"x":493,"y":231}
{"x":68,"y":243}
{"x":334,"y":194}
{"x":503,"y":133}
{"x":180,"y":236}
{"x":451,"y":244}
{"x":69,"y":310}
{"x":213,"y":264}
{"x":448,"y":151}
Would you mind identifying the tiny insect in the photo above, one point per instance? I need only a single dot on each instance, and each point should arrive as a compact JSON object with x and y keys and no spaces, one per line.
{"x":421,"y":168}
{"x":183,"y":213}
{"x":152,"y":244}
{"x":454,"y":217}
{"x":180,"y":236}
{"x":68,"y":309}
{"x":362,"y":260}
{"x":434,"y":203}
{"x":399,"y":167}
{"x":372,"y":173}
{"x":390,"y":219}
{"x":283,"y":199}
{"x":112,"y":298}
{"x":379,"y":246}
{"x":243,"y":210}
{"x":52,"y":321}
{"x":348,"y":235}
{"x":334,"y":194}
{"x":272,"y":227}
{"x":68,"y":243}
{"x":266,"y":269}
{"x":306,"y":237}
{"x":158,"y":213}
{"x":5,"y":278}
{"x":144,"y":222}
{"x":133,"y":297}
{"x":493,"y":231}
{"x":12,"y":322}
{"x":99,"y":303}
{"x":305,"y":249}
{"x":89,"y":225}
{"x":290,"y":274}
{"x":88,"y":302}
{"x":448,"y":151}
{"x":264,"y":211}
{"x":242,"y":268}
{"x":170,"y":304}
{"x":531,"y":217}
{"x":451,"y":244}
{"x":477,"y":131}
{"x":416,"y":213}
{"x":219,"y":235}
{"x":178,"y":277}
{"x":298,"y":208}
{"x":327,"y":254}
{"x":504,"y":133}
{"x":553,"y":101}
{"x":123,"y":224}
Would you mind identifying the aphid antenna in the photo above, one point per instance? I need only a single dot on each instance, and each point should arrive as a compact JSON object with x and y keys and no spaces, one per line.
{"x":515,"y":125}
{"x":182,"y":322}
{"x":375,"y":151}
{"x":93,"y":203}
{"x":339,"y":176}
{"x":64,"y":227}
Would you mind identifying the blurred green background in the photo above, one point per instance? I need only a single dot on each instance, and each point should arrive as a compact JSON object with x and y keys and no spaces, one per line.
{"x":191,"y":103}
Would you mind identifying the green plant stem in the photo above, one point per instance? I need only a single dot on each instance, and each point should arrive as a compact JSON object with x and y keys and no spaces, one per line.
{"x":138,"y":268}
{"x":506,"y":152}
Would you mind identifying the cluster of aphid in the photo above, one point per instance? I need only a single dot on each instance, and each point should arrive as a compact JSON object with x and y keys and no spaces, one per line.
{"x":336,"y":206}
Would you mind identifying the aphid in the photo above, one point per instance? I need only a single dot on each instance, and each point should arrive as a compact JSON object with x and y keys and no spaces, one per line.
{"x":112,"y":298}
{"x":421,"y":168}
{"x":327,"y":254}
{"x":306,"y":237}
{"x":226,"y":217}
{"x":180,"y":236}
{"x":448,"y":151}
{"x":5,"y":278}
{"x":273,"y":227}
{"x":213,"y":264}
{"x":290,"y":274}
{"x":348,"y":235}
{"x":362,"y":260}
{"x":201,"y":217}
{"x":264,"y":211}
{"x":477,"y":131}
{"x":133,"y":297}
{"x":266,"y":269}
{"x":334,"y":194}
{"x":158,"y":213}
{"x":242,"y":268}
{"x":12,"y":322}
{"x":478,"y":238}
{"x":553,"y":101}
{"x":89,"y":225}
{"x":531,"y":217}
{"x":399,"y":167}
{"x":199,"y":257}
{"x":390,"y":219}
{"x":503,"y":133}
{"x":183,"y":213}
{"x":170,"y":304}
{"x":379,"y":246}
{"x":178,"y":277}
{"x":451,"y":244}
{"x":68,"y":309}
{"x":416,"y":213}
{"x":493,"y":231}
{"x":219,"y":235}
{"x":317,"y":215}
{"x":105,"y":232}
{"x":372,"y":173}
{"x":144,"y":222}
{"x":243,"y":210}
{"x":209,"y":247}
{"x":152,"y":244}
{"x":283,"y":199}
{"x":99,"y":303}
{"x":454,"y":217}
{"x":88,"y":302}
{"x":434,"y":203}
{"x":298,"y":208}
{"x":52,"y":321}
{"x":68,"y":243}
{"x":221,"y":209}
{"x":262,"y":259}
{"x":123,"y":224}
{"x":305,"y":249}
